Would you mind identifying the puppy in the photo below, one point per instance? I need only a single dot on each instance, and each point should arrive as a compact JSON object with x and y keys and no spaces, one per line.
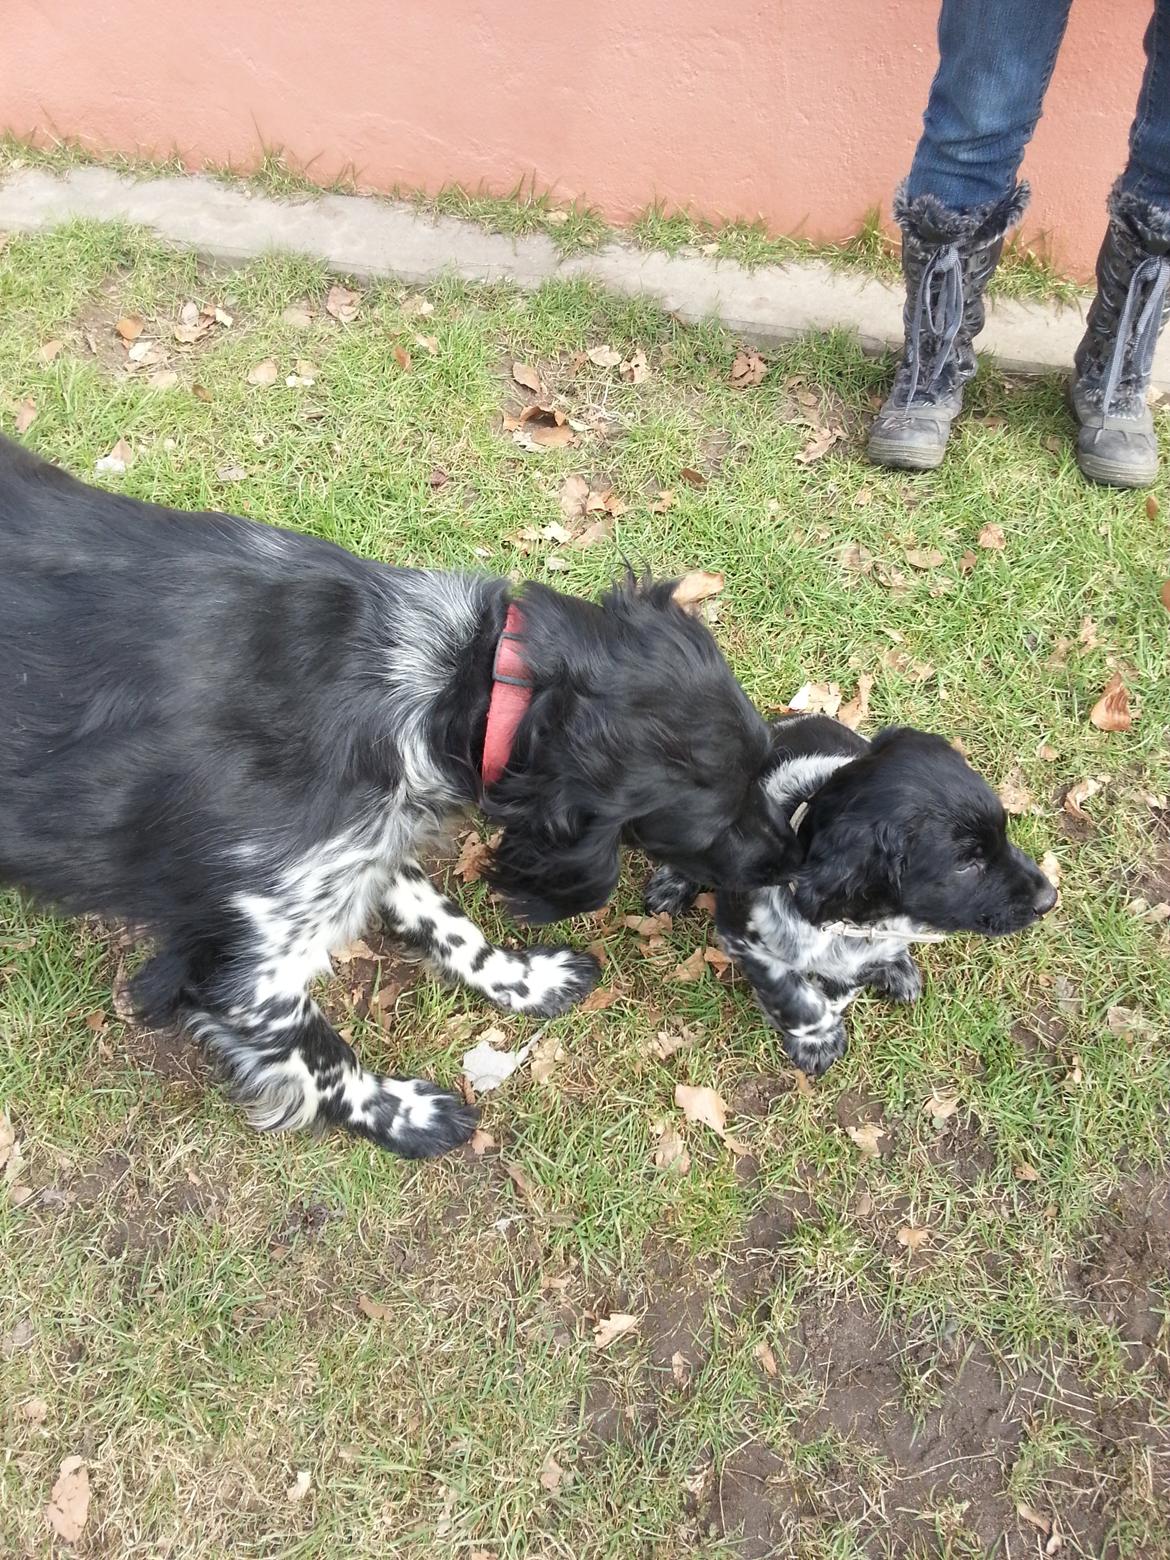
{"x":239,"y":738}
{"x":900,"y":840}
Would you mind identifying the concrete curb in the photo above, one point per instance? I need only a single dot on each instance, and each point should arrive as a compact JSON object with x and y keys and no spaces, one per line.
{"x":366,"y":237}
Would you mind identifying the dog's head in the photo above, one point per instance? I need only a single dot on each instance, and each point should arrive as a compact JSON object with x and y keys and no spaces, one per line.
{"x":637,"y":732}
{"x":909,"y":829}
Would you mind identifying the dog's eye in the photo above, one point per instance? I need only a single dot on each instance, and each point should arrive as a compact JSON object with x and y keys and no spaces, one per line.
{"x":968,"y":870}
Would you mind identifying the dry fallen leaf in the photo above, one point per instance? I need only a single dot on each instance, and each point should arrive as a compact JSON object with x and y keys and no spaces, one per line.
{"x":49,"y":350}
{"x":528,"y":377}
{"x":855,"y":558}
{"x":868,"y":1138}
{"x":670,"y":1151}
{"x":402,"y":358}
{"x":697,"y":586}
{"x":912,"y":1236}
{"x":924,"y":558}
{"x":1164,"y":595}
{"x":992,"y":538}
{"x":702,"y":1105}
{"x":163,"y":379}
{"x":552,"y":1475}
{"x":26,"y":414}
{"x":299,"y":1488}
{"x":416,"y":306}
{"x":1034,"y":1518}
{"x":615,"y":1325}
{"x":1127,"y":1023}
{"x":374,"y":1309}
{"x":485,"y":1068}
{"x":342,"y":303}
{"x":265,"y":373}
{"x":68,"y":1507}
{"x":635,"y":369}
{"x":481,"y":1140}
{"x":474,"y":856}
{"x":816,"y":699}
{"x":1050,"y":867}
{"x":1047,"y":752}
{"x":691,"y":969}
{"x":298,"y":316}
{"x":665,"y":501}
{"x":1014,"y":793}
{"x":748,"y":369}
{"x":692,"y":477}
{"x":600,"y":997}
{"x":119,"y":458}
{"x":130,"y":327}
{"x":545,"y":1056}
{"x":820,"y":444}
{"x":941,"y":1107}
{"x":767,"y":1359}
{"x":604,"y":356}
{"x":35,"y":1410}
{"x":679,"y":1368}
{"x":1111,"y":711}
{"x":1025,"y":1172}
{"x":649,"y":925}
{"x":573,"y":496}
{"x":7,"y":1140}
{"x":1077,"y":795}
{"x":856,"y":710}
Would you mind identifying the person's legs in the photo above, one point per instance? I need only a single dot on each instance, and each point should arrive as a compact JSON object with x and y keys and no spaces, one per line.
{"x":957,"y":205}
{"x":995,"y":62}
{"x":1116,"y":443}
{"x":1147,"y":174}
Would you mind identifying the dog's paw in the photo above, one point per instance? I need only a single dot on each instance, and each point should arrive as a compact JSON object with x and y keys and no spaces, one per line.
{"x":668,"y":891}
{"x":900,"y":981}
{"x":553,"y":981}
{"x":815,"y":1050}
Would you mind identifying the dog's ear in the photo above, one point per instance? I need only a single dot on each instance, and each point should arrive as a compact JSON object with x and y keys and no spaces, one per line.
{"x":852,"y":870}
{"x":548,"y":869}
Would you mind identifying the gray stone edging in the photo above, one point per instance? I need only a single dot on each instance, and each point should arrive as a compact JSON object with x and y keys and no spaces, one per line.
{"x":367,"y":237}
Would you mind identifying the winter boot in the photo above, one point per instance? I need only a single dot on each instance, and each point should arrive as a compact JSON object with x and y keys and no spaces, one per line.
{"x":947,"y":259}
{"x":1117,"y":444}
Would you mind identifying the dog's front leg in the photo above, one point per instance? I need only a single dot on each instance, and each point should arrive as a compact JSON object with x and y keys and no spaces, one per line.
{"x":541,"y":981}
{"x":899,"y":978}
{"x":669,"y":891}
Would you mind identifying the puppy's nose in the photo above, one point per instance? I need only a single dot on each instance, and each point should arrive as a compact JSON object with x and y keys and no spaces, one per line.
{"x":1044,"y":898}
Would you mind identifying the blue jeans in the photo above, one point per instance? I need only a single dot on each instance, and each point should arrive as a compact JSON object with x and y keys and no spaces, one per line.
{"x":995,"y":62}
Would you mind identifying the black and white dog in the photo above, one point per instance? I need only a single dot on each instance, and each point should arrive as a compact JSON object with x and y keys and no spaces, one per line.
{"x":238,"y":739}
{"x":900,"y":840}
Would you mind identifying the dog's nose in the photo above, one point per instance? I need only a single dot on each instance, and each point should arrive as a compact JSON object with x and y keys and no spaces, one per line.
{"x":1044,"y":898}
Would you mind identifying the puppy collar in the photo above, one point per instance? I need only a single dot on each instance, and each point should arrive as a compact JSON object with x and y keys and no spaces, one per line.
{"x":851,"y":928}
{"x":511,"y":696}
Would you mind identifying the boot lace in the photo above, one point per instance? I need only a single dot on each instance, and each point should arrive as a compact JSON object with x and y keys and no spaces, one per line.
{"x":1147,"y":290}
{"x":941,"y":316}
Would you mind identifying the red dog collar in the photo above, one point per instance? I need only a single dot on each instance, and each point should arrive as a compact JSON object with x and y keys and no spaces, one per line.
{"x":511,"y":695}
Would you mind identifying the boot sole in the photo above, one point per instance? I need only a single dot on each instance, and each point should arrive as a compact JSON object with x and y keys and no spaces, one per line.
{"x":1111,"y":474}
{"x":891,"y":453}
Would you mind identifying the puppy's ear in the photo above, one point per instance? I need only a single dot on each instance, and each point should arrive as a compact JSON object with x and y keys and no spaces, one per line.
{"x":850,"y":872}
{"x":547,"y":874}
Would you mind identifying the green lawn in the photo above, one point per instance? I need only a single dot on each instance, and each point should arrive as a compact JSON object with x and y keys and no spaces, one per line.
{"x":187,"y":1305}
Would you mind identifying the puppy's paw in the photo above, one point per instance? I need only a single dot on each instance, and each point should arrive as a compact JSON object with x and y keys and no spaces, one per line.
{"x":901,"y":981}
{"x":669,"y":891}
{"x":815,"y":1050}
{"x":553,"y":981}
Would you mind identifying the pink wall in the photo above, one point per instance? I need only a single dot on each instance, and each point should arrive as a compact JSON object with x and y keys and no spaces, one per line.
{"x":803,"y":112}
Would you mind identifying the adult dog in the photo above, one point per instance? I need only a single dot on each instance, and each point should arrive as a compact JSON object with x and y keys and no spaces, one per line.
{"x":899,"y":840}
{"x":238,"y":738}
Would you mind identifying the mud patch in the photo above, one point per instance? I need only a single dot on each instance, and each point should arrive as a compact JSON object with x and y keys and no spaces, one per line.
{"x":1125,"y":1275}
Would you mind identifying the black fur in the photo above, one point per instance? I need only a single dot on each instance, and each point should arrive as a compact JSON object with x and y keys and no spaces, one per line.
{"x":237,"y":737}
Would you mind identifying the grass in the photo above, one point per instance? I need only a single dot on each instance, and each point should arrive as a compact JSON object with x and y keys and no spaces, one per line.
{"x":183,"y":1295}
{"x":574,"y":226}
